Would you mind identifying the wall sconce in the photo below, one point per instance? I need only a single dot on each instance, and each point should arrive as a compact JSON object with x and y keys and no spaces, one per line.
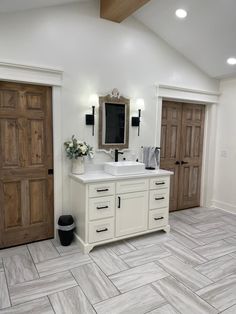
{"x":136,"y":120}
{"x":90,"y":118}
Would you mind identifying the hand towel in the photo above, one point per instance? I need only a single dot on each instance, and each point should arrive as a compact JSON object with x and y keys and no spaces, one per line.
{"x":151,"y":157}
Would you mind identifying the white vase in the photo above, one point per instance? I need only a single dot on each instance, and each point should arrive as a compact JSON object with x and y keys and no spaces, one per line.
{"x":78,"y":165}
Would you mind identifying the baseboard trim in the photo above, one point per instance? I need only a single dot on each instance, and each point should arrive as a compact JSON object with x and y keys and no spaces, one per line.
{"x":224,"y":206}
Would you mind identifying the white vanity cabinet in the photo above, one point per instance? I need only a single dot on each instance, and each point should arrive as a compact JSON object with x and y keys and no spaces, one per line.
{"x":108,"y":208}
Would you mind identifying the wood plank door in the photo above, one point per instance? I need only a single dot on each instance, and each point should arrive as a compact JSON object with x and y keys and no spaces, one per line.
{"x":181,"y":151}
{"x":170,"y":146}
{"x":26,"y":164}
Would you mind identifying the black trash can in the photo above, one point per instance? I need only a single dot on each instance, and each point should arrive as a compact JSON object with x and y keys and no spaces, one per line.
{"x":66,"y":227}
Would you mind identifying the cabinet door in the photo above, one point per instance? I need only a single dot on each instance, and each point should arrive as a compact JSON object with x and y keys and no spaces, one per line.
{"x":131,"y":213}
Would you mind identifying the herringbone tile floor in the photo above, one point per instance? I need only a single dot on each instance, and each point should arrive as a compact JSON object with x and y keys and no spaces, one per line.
{"x":190,"y":271}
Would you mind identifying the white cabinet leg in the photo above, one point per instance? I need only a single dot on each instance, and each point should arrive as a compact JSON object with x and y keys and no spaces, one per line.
{"x":167,"y":229}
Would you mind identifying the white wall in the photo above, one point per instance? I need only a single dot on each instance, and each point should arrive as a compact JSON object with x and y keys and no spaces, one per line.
{"x":96,"y":56}
{"x":225,"y":166}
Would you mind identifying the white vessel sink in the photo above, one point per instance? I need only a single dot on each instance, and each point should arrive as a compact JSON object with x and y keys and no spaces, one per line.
{"x":122,"y":168}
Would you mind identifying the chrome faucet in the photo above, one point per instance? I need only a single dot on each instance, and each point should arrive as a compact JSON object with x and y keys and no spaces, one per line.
{"x":117,"y":154}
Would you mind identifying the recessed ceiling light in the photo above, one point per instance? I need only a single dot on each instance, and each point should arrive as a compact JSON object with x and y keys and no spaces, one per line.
{"x":181,"y":13}
{"x":231,"y":61}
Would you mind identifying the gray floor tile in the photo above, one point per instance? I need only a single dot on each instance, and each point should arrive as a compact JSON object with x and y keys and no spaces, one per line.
{"x":66,"y":250}
{"x":184,"y":273}
{"x":150,"y":239}
{"x":184,"y":254}
{"x":210,"y":224}
{"x":186,"y":240}
{"x":121,"y":247}
{"x":185,"y":218}
{"x":165,"y":309}
{"x":1,"y":265}
{"x":212,"y":235}
{"x":184,"y":228}
{"x":62,"y":263}
{"x":42,"y":251}
{"x":39,"y":306}
{"x":108,"y":261}
{"x":231,"y":310}
{"x":13,"y":251}
{"x":182,"y":298}
{"x":138,"y":301}
{"x":41,"y":287}
{"x":216,"y":249}
{"x":138,"y":276}
{"x":19,"y":268}
{"x":95,"y":284}
{"x":71,"y":301}
{"x":218,"y":268}
{"x":146,"y":255}
{"x":4,"y":296}
{"x":221,"y":294}
{"x":231,"y":240}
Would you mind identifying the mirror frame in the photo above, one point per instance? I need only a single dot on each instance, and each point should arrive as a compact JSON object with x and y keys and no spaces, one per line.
{"x":113,"y":100}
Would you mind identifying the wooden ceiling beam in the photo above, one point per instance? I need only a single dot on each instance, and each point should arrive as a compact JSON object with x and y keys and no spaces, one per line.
{"x":118,"y":10}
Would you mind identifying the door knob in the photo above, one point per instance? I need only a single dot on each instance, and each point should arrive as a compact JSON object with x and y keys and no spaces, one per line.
{"x":183,"y":162}
{"x":177,"y":162}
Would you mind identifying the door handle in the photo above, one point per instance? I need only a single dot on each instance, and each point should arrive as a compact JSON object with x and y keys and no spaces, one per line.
{"x":183,"y":162}
{"x":118,"y":201}
{"x":177,"y":162}
{"x":50,"y":171}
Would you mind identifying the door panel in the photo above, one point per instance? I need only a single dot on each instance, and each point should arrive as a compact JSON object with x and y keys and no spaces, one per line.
{"x":181,"y":151}
{"x":170,"y":146}
{"x":26,"y":189}
{"x":131,"y":213}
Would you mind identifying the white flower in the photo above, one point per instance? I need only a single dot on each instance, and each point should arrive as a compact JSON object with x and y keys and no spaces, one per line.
{"x":70,"y":144}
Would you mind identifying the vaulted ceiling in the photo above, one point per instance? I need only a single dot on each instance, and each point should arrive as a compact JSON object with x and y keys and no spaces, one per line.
{"x":206,"y":37}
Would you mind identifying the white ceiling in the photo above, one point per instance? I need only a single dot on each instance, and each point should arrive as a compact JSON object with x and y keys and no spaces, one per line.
{"x":207,"y":37}
{"x":19,"y":5}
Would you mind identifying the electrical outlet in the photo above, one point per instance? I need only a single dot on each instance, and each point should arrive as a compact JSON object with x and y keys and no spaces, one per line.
{"x":224,"y":154}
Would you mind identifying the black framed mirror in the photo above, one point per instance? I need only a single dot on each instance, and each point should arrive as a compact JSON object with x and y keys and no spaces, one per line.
{"x":113,"y":122}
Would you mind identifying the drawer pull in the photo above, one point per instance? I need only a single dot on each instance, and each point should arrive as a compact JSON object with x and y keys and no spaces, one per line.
{"x":102,"y":190}
{"x":159,"y":198}
{"x":102,"y":230}
{"x":160,"y":218}
{"x":160,"y":183}
{"x":102,"y":207}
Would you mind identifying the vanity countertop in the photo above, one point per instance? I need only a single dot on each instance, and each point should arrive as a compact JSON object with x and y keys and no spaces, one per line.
{"x":100,"y":176}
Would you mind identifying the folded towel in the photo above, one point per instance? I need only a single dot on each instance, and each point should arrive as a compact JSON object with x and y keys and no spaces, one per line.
{"x":151,"y":157}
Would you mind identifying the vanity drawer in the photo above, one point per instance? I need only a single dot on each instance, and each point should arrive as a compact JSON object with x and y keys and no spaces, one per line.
{"x":128,"y":186}
{"x":158,"y":218}
{"x":159,"y":183}
{"x":158,"y":199}
{"x":101,"y":207}
{"x":101,"y":230}
{"x":101,"y":189}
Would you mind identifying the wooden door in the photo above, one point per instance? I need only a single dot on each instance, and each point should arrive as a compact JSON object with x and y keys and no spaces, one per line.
{"x":26,"y":164}
{"x":170,"y":146}
{"x":192,"y":131}
{"x":181,"y":151}
{"x":131,"y":213}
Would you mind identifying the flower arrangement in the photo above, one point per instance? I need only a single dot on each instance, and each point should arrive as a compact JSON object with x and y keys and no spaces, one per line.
{"x":75,"y":149}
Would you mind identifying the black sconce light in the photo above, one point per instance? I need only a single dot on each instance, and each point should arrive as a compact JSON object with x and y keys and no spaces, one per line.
{"x":89,"y":119}
{"x":136,"y":121}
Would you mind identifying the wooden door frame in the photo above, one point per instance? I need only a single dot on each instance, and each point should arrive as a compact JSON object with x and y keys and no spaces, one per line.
{"x":11,"y":72}
{"x":210,"y":99}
